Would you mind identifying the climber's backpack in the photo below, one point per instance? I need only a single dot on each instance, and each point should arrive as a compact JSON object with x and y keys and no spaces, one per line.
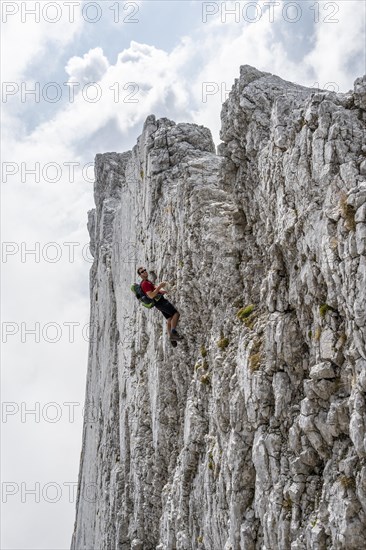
{"x":141,"y":296}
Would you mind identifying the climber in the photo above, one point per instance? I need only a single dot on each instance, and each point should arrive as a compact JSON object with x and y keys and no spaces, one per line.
{"x":162,"y":304}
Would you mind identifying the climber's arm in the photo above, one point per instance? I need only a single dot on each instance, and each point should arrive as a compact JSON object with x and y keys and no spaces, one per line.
{"x":152,"y":293}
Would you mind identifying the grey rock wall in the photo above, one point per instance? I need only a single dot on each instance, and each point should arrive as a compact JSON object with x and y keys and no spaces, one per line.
{"x":251,"y":434}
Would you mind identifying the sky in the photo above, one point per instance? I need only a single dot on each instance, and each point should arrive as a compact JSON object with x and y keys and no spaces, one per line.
{"x":79,"y":78}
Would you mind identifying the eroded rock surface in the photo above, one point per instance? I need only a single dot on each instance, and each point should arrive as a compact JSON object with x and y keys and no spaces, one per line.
{"x":251,"y":434}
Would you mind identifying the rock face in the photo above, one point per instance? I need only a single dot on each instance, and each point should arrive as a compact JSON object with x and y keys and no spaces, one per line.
{"x":251,"y":434}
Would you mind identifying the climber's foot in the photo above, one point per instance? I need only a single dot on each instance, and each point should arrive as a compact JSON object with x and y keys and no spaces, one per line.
{"x":175,"y":336}
{"x":173,"y":343}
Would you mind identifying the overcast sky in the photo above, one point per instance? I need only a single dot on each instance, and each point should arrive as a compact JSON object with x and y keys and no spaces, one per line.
{"x":79,"y":78}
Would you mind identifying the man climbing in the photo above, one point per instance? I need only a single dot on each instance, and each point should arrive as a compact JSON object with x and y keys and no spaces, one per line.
{"x":162,"y":304}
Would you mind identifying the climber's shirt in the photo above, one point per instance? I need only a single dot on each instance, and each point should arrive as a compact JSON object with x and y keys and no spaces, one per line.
{"x":147,"y":286}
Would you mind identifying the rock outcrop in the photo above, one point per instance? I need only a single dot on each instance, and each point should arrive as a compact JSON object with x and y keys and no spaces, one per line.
{"x":251,"y":434}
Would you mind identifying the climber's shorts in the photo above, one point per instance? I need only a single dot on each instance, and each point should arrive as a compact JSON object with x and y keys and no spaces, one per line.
{"x":166,"y":308}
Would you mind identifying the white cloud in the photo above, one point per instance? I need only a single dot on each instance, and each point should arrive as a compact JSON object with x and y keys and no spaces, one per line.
{"x":89,"y":68}
{"x":29,"y":36}
{"x":340,"y":46}
{"x":146,"y":79}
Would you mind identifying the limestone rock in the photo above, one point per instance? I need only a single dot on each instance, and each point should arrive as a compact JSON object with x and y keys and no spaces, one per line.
{"x":251,"y":434}
{"x":322,"y":370}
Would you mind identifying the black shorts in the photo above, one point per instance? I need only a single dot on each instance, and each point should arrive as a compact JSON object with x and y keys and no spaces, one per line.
{"x":166,"y":308}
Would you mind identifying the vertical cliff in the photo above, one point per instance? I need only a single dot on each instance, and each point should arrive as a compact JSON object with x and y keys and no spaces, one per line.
{"x":251,"y":434}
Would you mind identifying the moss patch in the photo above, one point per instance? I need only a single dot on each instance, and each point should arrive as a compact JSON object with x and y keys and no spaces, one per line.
{"x":245,"y":312}
{"x":348,"y":213}
{"x":247,"y":315}
{"x":323,"y":310}
{"x":255,"y":357}
{"x":255,"y":361}
{"x":201,"y":364}
{"x":223,"y":343}
{"x":347,"y":482}
{"x":342,"y":339}
{"x":287,"y":503}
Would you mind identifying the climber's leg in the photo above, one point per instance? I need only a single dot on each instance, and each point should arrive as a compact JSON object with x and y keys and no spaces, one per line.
{"x":174,"y":335}
{"x":171,"y":315}
{"x":174,"y":320}
{"x":166,"y":308}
